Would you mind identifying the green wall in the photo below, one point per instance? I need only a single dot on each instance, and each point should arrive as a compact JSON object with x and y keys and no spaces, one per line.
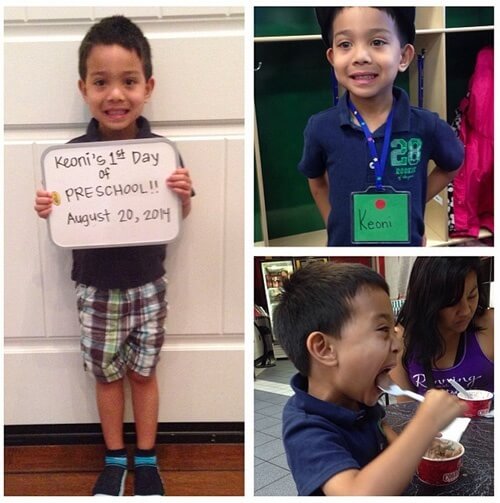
{"x":291,"y":85}
{"x":257,"y":226}
{"x":274,"y":21}
{"x":458,"y":17}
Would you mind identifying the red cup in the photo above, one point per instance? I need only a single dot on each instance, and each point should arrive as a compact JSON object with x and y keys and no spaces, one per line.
{"x":441,"y":471}
{"x":479,"y":404}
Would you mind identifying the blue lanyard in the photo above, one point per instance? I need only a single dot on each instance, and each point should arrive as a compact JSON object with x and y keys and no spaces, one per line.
{"x":420,"y":67}
{"x":378,"y":164}
{"x":335,"y":87}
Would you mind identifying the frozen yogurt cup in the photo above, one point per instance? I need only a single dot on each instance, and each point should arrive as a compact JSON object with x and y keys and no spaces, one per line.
{"x":479,"y":404}
{"x":441,"y":463}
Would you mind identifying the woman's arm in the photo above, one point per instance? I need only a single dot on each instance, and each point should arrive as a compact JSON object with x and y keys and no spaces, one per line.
{"x":485,"y":336}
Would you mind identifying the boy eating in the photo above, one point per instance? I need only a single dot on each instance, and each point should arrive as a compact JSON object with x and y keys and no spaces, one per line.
{"x":336,"y":325}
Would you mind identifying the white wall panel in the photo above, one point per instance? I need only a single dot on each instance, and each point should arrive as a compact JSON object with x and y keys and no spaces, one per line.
{"x":23,"y":279}
{"x":56,"y":13}
{"x":189,"y":381}
{"x":233,"y":239}
{"x":211,"y":79}
{"x":26,"y":400}
{"x":194,"y":262}
{"x":195,"y":11}
{"x":61,"y":317}
{"x":197,"y":79}
{"x":14,"y":13}
{"x":54,"y":98}
{"x":236,"y":10}
{"x":137,"y":13}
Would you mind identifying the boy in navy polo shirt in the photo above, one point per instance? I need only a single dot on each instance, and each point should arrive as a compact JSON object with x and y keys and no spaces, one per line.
{"x":335,"y":323}
{"x":366,"y":159}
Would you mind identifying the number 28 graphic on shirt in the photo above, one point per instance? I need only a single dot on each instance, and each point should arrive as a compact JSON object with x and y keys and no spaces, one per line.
{"x":406,"y":152}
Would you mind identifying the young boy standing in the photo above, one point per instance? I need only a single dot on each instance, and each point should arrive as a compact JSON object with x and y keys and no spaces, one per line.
{"x":335,"y":323}
{"x":366,"y":159}
{"x":121,"y":293}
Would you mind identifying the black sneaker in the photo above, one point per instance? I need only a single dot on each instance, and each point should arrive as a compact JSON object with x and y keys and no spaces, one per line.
{"x":111,"y":482}
{"x":147,"y":481}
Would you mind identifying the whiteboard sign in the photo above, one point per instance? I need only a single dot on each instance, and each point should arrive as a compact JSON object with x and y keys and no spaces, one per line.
{"x":111,"y":193}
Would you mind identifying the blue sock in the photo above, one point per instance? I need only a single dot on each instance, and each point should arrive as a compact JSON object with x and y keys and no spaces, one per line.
{"x":116,"y":457}
{"x":145,"y":457}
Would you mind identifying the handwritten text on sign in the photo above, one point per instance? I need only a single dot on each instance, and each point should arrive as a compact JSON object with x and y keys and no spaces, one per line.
{"x":112,"y":193}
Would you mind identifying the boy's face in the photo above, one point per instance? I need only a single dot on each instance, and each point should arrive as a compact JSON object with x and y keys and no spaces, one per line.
{"x":367,"y":347}
{"x":366,"y":53}
{"x":115,"y":90}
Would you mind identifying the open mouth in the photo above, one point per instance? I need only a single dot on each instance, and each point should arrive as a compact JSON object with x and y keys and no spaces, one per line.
{"x":383,"y":372}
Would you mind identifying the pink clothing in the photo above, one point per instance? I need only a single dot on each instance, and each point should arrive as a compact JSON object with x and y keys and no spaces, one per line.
{"x":473,"y":185}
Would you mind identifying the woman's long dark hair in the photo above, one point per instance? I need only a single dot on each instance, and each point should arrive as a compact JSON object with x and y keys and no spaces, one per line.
{"x":435,"y":283}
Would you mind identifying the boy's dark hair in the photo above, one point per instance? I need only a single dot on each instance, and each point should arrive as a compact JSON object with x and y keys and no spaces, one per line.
{"x":435,"y":283}
{"x":117,"y":30}
{"x":318,"y":297}
{"x":404,"y":18}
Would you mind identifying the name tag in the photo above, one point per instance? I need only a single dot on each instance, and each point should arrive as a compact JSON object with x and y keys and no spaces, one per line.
{"x":380,"y":217}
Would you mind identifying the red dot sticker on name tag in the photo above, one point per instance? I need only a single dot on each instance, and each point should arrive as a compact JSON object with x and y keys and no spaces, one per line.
{"x":380,"y":204}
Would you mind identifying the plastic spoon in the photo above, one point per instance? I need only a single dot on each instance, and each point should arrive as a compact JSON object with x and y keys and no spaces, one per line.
{"x":460,"y":389}
{"x":387,"y":385}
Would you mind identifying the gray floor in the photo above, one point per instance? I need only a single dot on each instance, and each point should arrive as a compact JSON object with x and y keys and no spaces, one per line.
{"x":272,"y":475}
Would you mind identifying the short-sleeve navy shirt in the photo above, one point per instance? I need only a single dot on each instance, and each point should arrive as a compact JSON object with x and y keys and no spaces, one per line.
{"x":120,"y":267}
{"x":333,"y":144}
{"x":322,"y":439}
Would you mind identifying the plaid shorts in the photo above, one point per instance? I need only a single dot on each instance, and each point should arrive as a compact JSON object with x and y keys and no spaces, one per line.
{"x":122,"y":329}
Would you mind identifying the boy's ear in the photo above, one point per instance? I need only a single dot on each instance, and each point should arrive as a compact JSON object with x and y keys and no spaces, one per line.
{"x":322,"y":348}
{"x":83,"y":89}
{"x":407,"y":55}
{"x":150,"y":85}
{"x":329,"y":55}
